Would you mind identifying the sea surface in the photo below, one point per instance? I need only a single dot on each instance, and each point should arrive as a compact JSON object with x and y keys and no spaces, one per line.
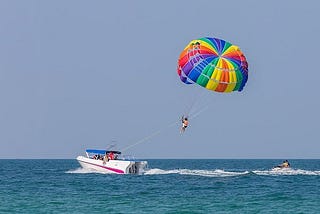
{"x":167,"y":186}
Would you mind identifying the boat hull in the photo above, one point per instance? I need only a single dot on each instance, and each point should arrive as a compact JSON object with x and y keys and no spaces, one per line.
{"x":277,"y":168}
{"x":113,"y":166}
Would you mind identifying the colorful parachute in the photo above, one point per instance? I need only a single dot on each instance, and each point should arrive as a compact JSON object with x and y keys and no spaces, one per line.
{"x":214,"y":64}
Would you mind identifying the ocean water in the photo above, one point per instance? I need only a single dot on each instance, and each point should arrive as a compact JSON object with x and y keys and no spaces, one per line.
{"x":168,"y":186}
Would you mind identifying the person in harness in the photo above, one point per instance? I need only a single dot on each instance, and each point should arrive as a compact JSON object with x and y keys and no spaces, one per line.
{"x":185,"y":124}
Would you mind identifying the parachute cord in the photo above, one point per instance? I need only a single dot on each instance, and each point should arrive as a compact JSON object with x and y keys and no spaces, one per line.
{"x":194,"y":101}
{"x":189,"y":108}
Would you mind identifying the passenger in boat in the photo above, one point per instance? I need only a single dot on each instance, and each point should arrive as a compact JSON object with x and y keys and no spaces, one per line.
{"x":115,"y":157}
{"x":105,"y":158}
{"x":185,"y":124}
{"x":285,"y":164}
{"x":111,"y":156}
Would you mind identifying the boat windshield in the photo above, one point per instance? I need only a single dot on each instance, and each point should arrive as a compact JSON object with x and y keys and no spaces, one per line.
{"x":100,"y":154}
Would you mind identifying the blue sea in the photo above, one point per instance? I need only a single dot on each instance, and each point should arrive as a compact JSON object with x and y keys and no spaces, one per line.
{"x":167,"y":186}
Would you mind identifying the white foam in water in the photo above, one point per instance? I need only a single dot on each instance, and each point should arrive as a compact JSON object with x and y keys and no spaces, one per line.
{"x":207,"y":173}
{"x":157,"y":171}
{"x":84,"y":171}
{"x":212,"y":173}
{"x":286,"y":172}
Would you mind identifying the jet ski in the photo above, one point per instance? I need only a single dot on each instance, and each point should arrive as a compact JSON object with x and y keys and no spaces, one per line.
{"x":284,"y":165}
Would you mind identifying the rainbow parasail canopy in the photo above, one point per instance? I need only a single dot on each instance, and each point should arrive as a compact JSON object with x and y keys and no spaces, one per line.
{"x":214,"y":64}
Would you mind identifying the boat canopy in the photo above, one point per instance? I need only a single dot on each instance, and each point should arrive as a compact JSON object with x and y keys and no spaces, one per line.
{"x":101,"y":152}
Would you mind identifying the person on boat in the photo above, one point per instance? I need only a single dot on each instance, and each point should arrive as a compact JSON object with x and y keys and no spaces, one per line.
{"x":105,"y":158}
{"x":185,"y":123}
{"x":285,"y":164}
{"x":111,"y":156}
{"x":115,"y":156}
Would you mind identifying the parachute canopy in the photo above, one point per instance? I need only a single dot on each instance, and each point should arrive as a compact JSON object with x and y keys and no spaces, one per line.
{"x":214,"y":64}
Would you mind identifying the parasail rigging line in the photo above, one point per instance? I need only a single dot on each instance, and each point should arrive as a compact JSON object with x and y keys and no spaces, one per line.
{"x":149,"y":136}
{"x":162,"y":129}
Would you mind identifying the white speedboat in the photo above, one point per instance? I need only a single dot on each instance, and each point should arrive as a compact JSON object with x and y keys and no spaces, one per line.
{"x":111,"y":162}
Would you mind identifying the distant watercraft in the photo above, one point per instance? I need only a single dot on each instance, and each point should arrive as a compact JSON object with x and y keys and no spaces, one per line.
{"x":111,"y":162}
{"x":284,"y":165}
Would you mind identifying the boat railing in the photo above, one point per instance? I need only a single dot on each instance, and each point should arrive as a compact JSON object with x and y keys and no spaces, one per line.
{"x":117,"y":157}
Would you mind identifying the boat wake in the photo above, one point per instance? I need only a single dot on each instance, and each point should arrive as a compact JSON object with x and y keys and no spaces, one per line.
{"x":290,"y":171}
{"x":206,"y":173}
{"x":209,"y":173}
{"x":84,"y":171}
{"x":223,"y":173}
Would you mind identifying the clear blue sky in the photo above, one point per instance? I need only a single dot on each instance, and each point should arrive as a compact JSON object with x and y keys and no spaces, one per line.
{"x":81,"y":74}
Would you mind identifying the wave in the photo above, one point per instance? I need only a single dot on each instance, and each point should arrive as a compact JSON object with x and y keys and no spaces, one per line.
{"x":209,"y":173}
{"x":285,"y":172}
{"x":84,"y":171}
{"x":206,"y":173}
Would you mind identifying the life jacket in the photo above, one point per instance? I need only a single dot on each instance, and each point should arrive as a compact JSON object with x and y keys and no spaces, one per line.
{"x":111,"y":156}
